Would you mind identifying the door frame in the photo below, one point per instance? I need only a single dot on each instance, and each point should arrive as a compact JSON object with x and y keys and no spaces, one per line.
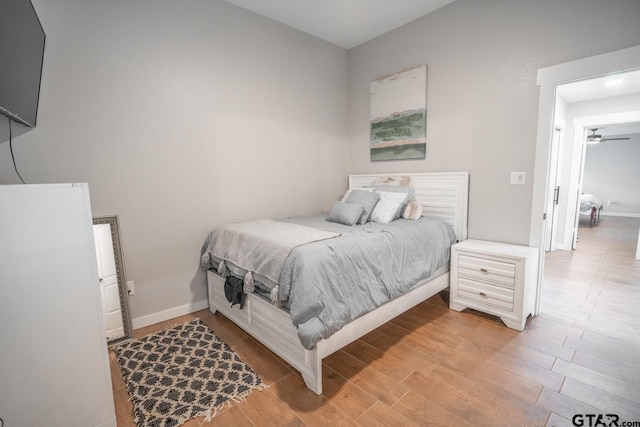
{"x":548,"y":79}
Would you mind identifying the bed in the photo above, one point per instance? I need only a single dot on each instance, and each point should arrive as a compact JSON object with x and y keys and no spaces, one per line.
{"x":443,"y":198}
{"x":590,"y":206}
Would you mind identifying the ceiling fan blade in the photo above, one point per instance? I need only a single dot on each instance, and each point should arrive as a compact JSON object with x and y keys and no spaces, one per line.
{"x":614,"y":139}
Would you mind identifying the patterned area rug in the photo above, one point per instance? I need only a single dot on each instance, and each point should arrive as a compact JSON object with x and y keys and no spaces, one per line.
{"x":181,"y":373}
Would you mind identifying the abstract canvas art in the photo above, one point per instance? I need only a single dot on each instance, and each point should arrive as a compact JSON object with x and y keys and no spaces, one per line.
{"x":399,"y":115}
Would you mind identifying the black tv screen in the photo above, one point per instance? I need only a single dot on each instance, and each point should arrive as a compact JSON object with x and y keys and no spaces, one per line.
{"x":21,"y":53}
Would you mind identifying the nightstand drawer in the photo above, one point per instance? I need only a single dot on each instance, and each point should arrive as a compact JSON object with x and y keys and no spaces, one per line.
{"x":485,"y":293}
{"x":487,"y":269}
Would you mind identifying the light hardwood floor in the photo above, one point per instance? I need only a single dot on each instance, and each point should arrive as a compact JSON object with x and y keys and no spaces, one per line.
{"x":435,"y":366}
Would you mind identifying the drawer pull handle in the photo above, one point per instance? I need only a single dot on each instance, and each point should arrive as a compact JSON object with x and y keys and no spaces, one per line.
{"x":482,"y":294}
{"x":484,"y":270}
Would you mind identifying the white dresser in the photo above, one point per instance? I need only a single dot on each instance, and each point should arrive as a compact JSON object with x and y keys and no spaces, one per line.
{"x":495,"y":278}
{"x":54,"y":362}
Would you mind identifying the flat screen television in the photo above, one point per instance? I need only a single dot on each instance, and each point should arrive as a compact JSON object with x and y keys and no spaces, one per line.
{"x":21,"y":53}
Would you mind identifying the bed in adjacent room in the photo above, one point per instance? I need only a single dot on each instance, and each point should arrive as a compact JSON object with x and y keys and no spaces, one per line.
{"x":590,"y":206}
{"x":307,"y":286}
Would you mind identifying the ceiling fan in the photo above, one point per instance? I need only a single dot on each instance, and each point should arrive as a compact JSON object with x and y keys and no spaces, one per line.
{"x":596,"y":139}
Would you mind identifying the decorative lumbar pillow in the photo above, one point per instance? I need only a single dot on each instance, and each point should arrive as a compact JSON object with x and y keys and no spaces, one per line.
{"x":345,"y":213}
{"x":367,"y":199}
{"x":388,"y":207}
{"x":413,"y":210}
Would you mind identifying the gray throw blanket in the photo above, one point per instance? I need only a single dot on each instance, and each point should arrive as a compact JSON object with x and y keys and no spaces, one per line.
{"x":261,"y":246}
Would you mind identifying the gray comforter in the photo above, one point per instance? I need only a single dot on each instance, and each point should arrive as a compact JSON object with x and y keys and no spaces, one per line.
{"x":328,"y":283}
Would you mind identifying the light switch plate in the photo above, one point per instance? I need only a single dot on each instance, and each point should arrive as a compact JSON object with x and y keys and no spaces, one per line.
{"x":517,"y":177}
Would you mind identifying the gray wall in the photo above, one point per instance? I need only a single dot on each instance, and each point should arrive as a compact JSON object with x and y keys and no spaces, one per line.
{"x":612,"y":172}
{"x":183,"y":115}
{"x":482,"y":107}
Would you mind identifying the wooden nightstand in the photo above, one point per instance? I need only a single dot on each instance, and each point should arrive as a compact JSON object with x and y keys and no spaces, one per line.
{"x":495,"y":278}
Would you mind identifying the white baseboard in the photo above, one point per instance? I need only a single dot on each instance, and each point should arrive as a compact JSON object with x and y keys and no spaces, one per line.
{"x":630,"y":215}
{"x":161,"y":316}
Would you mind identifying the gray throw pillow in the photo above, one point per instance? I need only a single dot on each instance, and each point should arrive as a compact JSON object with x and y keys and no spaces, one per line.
{"x":345,"y":213}
{"x":367,"y":199}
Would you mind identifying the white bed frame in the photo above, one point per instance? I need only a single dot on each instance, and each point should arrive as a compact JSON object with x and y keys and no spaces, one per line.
{"x":443,"y":195}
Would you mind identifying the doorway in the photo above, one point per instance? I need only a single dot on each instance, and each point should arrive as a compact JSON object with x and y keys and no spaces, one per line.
{"x":612,"y":126}
{"x":549,"y":79}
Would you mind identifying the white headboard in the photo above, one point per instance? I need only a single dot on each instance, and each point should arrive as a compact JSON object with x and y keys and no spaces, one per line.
{"x":444,"y":195}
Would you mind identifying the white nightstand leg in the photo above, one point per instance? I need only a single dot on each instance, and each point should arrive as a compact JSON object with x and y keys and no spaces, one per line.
{"x":457,"y":307}
{"x":518,"y":326}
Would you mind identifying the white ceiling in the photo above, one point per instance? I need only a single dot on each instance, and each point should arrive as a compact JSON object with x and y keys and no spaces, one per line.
{"x":601,"y":87}
{"x":604,"y":87}
{"x":345,"y":23}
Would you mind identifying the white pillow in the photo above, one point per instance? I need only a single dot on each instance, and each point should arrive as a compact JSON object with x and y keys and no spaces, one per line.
{"x":388,"y":206}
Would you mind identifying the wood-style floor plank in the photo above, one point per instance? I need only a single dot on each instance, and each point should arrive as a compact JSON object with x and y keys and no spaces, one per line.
{"x":490,"y":400}
{"x":382,"y":361}
{"x":351,"y":399}
{"x":452,"y":397}
{"x":563,"y":405}
{"x":556,"y":420}
{"x":312,"y":409}
{"x":625,"y":389}
{"x":435,"y":366}
{"x":598,"y":398}
{"x":484,"y":368}
{"x":381,"y":415}
{"x":369,"y":379}
{"x":609,"y":368}
{"x":268,"y":409}
{"x":422,"y":411}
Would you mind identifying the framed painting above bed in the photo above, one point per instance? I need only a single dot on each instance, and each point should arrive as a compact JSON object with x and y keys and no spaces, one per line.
{"x":398,"y":115}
